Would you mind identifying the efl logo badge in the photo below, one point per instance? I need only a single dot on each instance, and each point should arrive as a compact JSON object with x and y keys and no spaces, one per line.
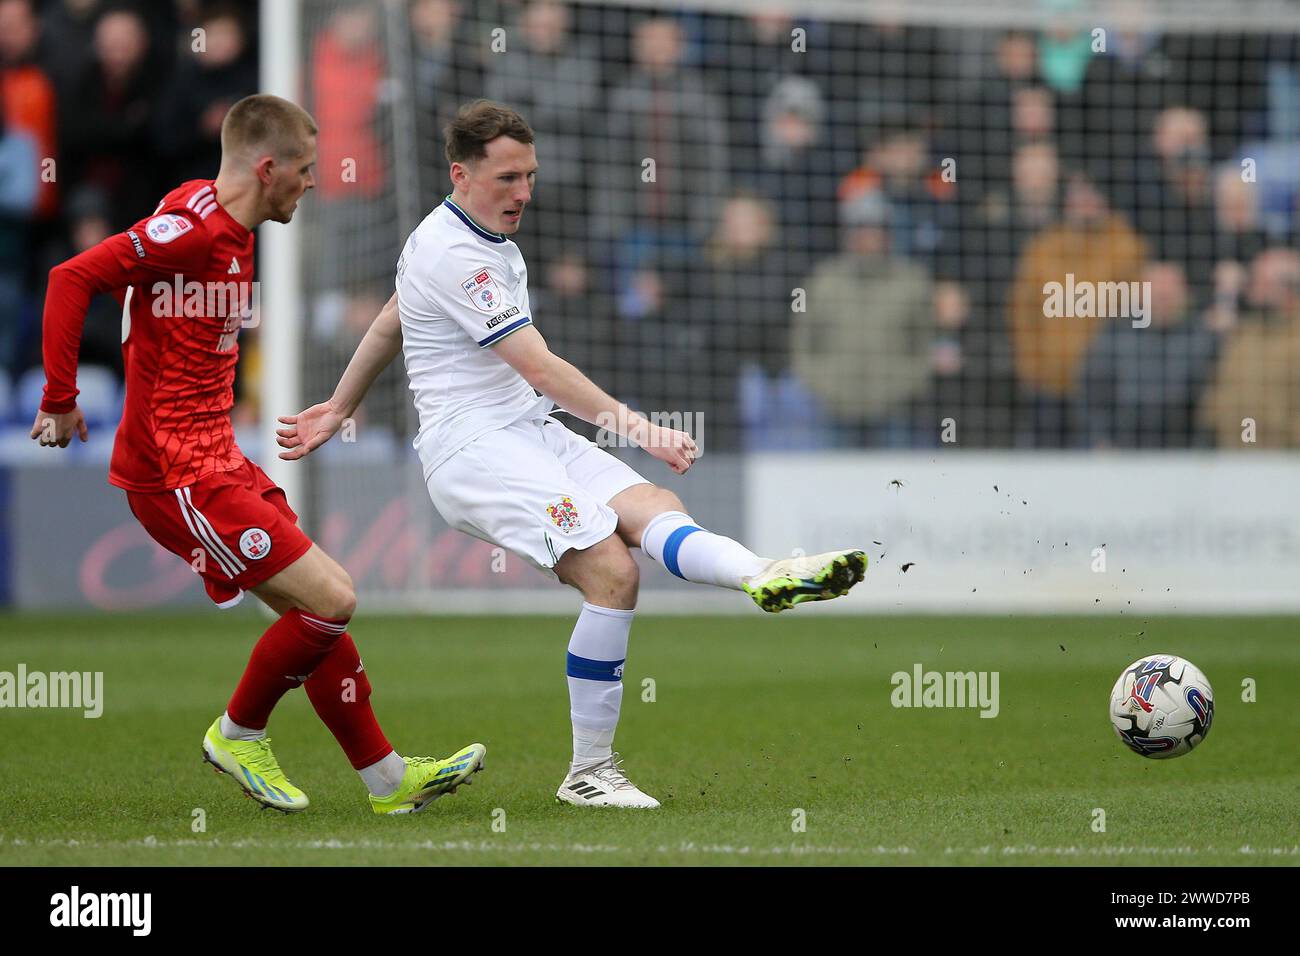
{"x":166,"y":228}
{"x":255,"y":544}
{"x":482,"y":291}
{"x":565,"y":515}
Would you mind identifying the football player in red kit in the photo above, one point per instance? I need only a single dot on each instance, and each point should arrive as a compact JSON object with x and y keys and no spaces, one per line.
{"x":185,"y":277}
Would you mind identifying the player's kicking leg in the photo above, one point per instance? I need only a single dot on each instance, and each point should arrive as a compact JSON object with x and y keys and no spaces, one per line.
{"x":608,"y":578}
{"x":656,"y":520}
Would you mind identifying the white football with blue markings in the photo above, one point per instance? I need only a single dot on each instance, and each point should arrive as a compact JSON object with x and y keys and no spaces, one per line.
{"x":1161,"y":706}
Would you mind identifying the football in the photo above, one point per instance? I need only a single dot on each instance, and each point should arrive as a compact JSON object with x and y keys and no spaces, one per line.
{"x":1161,"y":706}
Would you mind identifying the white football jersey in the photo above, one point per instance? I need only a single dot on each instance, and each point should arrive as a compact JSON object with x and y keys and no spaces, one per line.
{"x":460,"y":289}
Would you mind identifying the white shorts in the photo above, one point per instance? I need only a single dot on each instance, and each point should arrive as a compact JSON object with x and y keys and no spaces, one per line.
{"x":533,"y":487}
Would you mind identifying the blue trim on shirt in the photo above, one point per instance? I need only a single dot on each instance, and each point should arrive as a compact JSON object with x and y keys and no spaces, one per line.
{"x":478,"y":230}
{"x":502,"y":333}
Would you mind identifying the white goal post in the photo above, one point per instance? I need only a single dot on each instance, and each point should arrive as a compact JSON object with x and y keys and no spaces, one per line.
{"x":281,"y":321}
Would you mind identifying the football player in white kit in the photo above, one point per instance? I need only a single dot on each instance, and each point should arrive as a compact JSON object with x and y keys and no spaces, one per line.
{"x":497,"y":464}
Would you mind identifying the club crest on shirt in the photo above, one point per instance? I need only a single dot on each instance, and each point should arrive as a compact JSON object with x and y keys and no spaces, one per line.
{"x":482,"y":291}
{"x":165,"y":228}
{"x":565,"y":515}
{"x":255,"y":544}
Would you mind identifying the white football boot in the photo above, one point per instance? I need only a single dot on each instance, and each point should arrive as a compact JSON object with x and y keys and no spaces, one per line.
{"x":816,"y":577}
{"x":604,"y":785}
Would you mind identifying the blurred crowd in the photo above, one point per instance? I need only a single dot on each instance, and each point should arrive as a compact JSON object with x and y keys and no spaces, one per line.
{"x":104,"y":107}
{"x":815,"y":234}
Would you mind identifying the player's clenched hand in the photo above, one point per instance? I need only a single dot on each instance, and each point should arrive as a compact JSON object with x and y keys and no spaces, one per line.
{"x":54,"y":429}
{"x":675,"y":449}
{"x":307,"y":431}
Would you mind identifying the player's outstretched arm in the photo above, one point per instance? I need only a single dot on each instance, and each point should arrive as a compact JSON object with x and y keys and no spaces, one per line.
{"x":526,"y":351}
{"x":308,"y":430}
{"x":108,"y":266}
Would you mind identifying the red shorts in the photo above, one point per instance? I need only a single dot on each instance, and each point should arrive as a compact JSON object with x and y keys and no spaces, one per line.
{"x":235,"y":528}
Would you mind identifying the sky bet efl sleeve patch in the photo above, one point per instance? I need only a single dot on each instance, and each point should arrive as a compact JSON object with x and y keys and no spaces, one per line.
{"x":482,"y":291}
{"x":167,"y":227}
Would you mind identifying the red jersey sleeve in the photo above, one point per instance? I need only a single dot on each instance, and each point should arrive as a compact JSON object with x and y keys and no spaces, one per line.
{"x":166,"y":244}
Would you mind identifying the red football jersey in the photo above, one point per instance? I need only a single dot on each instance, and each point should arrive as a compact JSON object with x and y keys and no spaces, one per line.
{"x":185,"y":274}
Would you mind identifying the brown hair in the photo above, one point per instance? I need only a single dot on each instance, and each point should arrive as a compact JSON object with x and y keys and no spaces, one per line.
{"x":267,"y":123}
{"x":477,"y":124}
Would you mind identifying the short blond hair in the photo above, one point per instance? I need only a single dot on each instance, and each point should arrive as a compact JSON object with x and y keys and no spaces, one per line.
{"x":266,"y":124}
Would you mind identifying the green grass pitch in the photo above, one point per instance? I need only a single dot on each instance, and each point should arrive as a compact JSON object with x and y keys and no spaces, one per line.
{"x":753,"y":719}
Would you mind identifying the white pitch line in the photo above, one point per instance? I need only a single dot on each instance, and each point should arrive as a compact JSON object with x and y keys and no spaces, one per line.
{"x":703,"y":849}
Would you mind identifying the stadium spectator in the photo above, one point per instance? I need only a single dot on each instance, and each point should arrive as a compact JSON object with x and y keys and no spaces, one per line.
{"x":662,"y":169}
{"x":1033,"y":114}
{"x":1140,"y":384}
{"x":1239,"y":235}
{"x":923,"y":210}
{"x":19,"y":194}
{"x":575,"y":316}
{"x":73,"y":23}
{"x":1176,"y":211}
{"x":354,"y":206}
{"x":105,"y":118}
{"x":797,"y":172}
{"x":749,"y":57}
{"x":210,"y":79}
{"x":68,"y":32}
{"x":445,"y":74}
{"x":995,"y":228}
{"x":1124,"y":89}
{"x":989,"y":118}
{"x":1224,"y":76}
{"x":578,"y":321}
{"x":867,"y":365}
{"x":1064,"y":49}
{"x":30,"y":102}
{"x":741,"y":295}
{"x":666,"y":359}
{"x":1093,"y":244}
{"x":746,"y":290}
{"x":1254,"y":400}
{"x":348,"y":69}
{"x":553,"y":78}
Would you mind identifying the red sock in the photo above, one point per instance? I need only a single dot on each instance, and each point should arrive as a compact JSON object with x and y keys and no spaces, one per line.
{"x":290,"y":650}
{"x":340,"y":692}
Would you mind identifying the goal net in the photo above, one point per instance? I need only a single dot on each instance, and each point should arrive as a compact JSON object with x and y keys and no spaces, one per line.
{"x":819,"y":227}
